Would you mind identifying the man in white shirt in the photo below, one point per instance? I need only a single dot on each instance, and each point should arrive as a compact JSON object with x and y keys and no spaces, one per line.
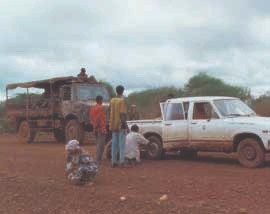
{"x":133,"y":140}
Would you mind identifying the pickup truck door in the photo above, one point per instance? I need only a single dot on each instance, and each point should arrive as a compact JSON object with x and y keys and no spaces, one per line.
{"x":207,"y":130}
{"x":175,"y":125}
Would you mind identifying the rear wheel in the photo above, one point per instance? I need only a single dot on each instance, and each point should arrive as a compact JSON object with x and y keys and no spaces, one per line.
{"x":74,"y":131}
{"x":250,"y":153}
{"x":26,"y":135}
{"x":59,"y":135}
{"x":154,"y":150}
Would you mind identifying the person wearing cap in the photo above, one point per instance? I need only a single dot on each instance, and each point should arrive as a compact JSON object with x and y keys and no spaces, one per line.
{"x":82,"y":76}
{"x":133,"y":141}
{"x":98,"y":120}
{"x":118,"y":126}
{"x":80,"y":167}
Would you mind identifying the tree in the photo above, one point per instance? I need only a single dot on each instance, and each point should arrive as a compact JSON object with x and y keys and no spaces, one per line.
{"x":2,"y":110}
{"x":147,"y":101}
{"x":205,"y":85}
{"x":262,"y":104}
{"x":109,"y":87}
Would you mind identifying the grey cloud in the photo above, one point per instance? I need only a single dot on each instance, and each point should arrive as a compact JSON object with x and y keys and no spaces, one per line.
{"x":136,"y":43}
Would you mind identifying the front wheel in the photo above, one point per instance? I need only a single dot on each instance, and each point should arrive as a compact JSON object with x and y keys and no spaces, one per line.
{"x":250,"y":153}
{"x":154,"y":150}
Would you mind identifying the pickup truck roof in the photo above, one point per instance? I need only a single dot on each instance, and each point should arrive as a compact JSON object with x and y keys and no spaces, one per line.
{"x":198,"y":99}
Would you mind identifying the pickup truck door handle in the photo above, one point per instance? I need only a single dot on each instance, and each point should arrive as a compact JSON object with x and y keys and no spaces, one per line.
{"x":167,"y":124}
{"x":193,"y":123}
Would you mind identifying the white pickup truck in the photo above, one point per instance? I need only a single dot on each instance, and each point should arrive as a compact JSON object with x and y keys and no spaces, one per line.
{"x":219,"y":124}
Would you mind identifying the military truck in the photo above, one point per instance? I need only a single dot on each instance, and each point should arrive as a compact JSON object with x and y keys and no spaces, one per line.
{"x":63,"y":108}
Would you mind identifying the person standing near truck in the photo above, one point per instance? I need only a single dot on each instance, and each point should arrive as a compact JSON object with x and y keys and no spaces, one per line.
{"x":98,"y":120}
{"x":133,"y":113}
{"x":118,"y":126}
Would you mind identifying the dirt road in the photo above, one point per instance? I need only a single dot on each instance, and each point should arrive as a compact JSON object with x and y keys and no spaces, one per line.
{"x":32,"y":180}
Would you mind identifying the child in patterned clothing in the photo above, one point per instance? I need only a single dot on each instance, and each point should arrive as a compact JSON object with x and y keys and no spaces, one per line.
{"x":80,"y":167}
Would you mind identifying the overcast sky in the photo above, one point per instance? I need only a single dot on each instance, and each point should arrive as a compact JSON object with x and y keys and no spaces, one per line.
{"x":137,"y":43}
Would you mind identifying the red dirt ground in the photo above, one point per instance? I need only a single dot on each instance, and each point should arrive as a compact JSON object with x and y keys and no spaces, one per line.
{"x":32,"y":180}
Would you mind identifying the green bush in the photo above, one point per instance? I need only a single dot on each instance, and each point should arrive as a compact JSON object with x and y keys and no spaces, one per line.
{"x":205,"y":85}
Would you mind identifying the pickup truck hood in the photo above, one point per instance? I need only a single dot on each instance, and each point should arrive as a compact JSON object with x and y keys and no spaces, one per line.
{"x":252,"y":120}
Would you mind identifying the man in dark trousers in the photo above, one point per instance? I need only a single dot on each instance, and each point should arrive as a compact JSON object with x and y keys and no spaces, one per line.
{"x":98,"y":119}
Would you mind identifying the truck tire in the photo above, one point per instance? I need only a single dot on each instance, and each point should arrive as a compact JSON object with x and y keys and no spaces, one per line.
{"x":250,"y":153}
{"x":26,"y":135}
{"x":59,"y":135}
{"x":74,"y":131}
{"x":154,"y":148}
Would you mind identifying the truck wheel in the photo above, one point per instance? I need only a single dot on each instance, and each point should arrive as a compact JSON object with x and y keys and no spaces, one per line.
{"x":74,"y":131}
{"x":59,"y":135}
{"x":26,"y":135}
{"x":250,"y":153}
{"x":154,"y":148}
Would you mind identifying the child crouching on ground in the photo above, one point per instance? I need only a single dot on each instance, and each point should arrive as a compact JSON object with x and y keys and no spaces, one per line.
{"x":80,"y":167}
{"x":133,"y":140}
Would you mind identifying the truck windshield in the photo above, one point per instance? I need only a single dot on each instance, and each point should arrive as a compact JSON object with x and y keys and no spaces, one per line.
{"x":233,"y":108}
{"x":90,"y":92}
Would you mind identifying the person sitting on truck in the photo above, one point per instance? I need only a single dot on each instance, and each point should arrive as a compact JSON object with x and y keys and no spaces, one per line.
{"x":82,"y":76}
{"x":133,"y":140}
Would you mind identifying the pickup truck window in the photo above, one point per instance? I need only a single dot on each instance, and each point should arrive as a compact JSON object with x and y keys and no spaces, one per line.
{"x":233,"y":108}
{"x":174,"y":111}
{"x":90,"y":92}
{"x":203,"y":111}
